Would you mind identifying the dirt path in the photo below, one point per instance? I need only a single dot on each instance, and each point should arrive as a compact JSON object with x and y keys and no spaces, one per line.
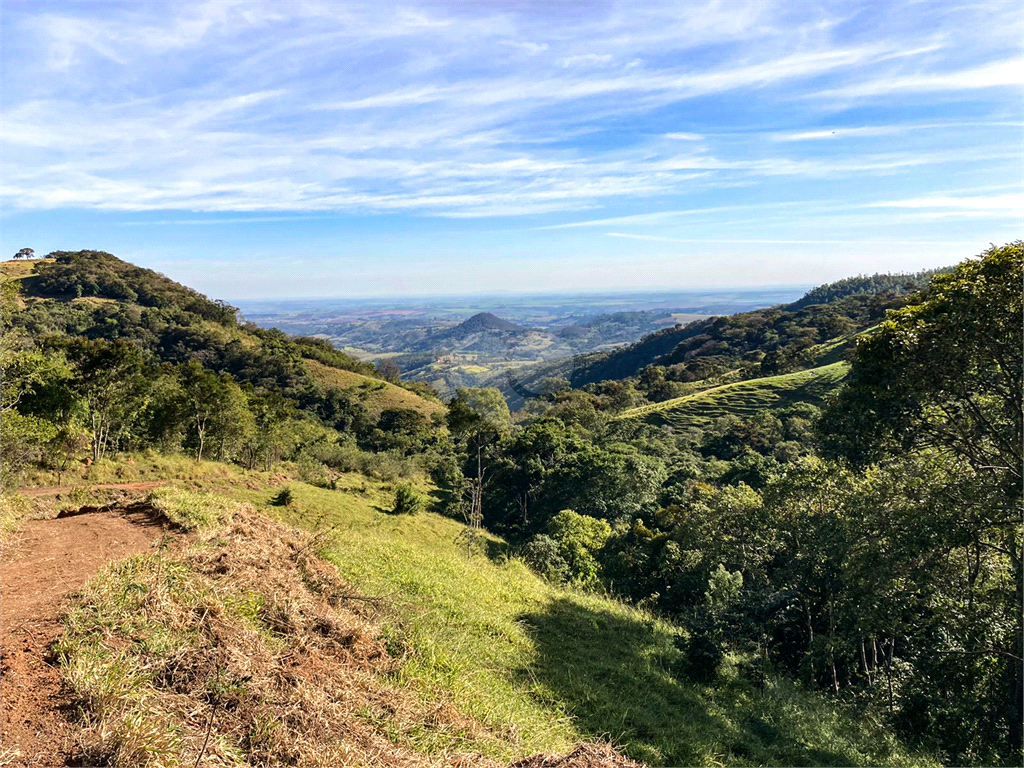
{"x":53,"y":490}
{"x":52,"y":558}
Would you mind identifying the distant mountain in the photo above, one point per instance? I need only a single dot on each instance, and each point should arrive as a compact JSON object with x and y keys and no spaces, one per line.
{"x":484,"y":321}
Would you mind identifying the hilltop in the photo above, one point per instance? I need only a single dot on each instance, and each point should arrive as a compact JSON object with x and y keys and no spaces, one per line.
{"x":484,"y":321}
{"x":95,"y":294}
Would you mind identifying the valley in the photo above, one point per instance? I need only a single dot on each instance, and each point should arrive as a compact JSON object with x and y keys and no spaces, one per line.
{"x":484,"y":341}
{"x":627,"y":556}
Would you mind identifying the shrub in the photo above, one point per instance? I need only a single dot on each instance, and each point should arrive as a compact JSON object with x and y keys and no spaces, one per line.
{"x":407,"y":501}
{"x":702,"y":657}
{"x":542,"y":554}
{"x":312,"y":471}
{"x":579,"y":537}
{"x":284,"y":498}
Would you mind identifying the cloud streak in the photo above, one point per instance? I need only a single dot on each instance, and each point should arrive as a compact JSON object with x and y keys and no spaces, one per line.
{"x":479,"y":111}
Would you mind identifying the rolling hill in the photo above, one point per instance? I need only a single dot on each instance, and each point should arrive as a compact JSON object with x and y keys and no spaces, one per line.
{"x":743,"y":398}
{"x":96,"y":295}
{"x":375,"y":394}
{"x":708,"y":346}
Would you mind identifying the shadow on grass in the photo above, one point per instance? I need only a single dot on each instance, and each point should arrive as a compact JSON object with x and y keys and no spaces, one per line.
{"x":614,"y":674}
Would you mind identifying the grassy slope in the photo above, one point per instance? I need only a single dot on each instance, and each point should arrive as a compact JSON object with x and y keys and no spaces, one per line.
{"x":379,"y":394}
{"x":19,"y":270}
{"x":744,"y":398}
{"x":540,"y":666}
{"x":544,"y":666}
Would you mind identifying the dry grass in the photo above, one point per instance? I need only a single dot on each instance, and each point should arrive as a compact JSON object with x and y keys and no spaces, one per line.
{"x":240,"y":638}
{"x":13,"y":509}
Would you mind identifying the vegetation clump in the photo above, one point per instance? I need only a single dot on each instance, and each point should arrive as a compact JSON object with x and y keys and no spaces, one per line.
{"x":407,"y":500}
{"x":238,"y":648}
{"x":189,"y":510}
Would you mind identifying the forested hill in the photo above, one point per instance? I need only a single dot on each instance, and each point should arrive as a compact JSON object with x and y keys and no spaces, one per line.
{"x":766,"y":341}
{"x":72,"y":303}
{"x":899,"y":283}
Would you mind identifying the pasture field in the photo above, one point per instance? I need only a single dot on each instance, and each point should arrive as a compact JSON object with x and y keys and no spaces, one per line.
{"x":743,"y":398}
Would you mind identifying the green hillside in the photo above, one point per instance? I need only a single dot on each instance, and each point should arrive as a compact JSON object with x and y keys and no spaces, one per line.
{"x":543,"y":667}
{"x":775,"y":339}
{"x":770,"y":583}
{"x":95,"y":295}
{"x":744,"y":398}
{"x":375,"y":394}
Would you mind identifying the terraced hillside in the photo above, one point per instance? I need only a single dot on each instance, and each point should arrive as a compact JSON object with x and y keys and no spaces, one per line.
{"x":744,"y":398}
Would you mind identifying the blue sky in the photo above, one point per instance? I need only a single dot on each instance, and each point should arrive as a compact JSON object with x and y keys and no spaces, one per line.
{"x":291,"y":149}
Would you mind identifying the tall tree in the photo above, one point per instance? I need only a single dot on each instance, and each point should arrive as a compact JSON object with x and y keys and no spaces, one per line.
{"x":945,"y":373}
{"x":214,"y":402}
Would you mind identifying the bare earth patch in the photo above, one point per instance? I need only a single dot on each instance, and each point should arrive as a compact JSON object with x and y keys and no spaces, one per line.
{"x":50,"y":559}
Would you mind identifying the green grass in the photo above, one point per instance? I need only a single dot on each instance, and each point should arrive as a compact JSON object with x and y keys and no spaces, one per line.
{"x":144,"y":466}
{"x":378,"y":394}
{"x":744,"y":398}
{"x":13,"y":509}
{"x":542,"y":666}
{"x":189,"y":510}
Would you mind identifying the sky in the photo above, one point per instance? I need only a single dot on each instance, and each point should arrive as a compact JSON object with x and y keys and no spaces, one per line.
{"x":305,"y":149}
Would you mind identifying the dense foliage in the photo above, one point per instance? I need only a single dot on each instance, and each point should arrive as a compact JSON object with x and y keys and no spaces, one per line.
{"x":866,"y":284}
{"x":100,"y":353}
{"x":763,"y":342}
{"x":876,"y":558}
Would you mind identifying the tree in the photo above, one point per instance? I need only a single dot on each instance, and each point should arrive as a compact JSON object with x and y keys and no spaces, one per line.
{"x":68,"y":442}
{"x":112,"y":384}
{"x":266,"y":441}
{"x":579,"y":538}
{"x":25,"y":253}
{"x":214,"y":403}
{"x":945,"y":374}
{"x":389,"y":370}
{"x":477,"y":418}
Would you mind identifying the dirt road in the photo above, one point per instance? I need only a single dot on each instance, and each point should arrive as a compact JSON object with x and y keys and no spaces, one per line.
{"x":53,"y":490}
{"x":50,"y":559}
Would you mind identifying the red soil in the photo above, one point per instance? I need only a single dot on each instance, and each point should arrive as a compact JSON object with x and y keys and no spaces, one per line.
{"x":50,"y":559}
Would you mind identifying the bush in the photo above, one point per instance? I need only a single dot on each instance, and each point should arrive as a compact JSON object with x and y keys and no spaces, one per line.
{"x":579,"y":538}
{"x":312,"y":471}
{"x":702,"y":657}
{"x":543,"y":555}
{"x":284,"y":498}
{"x":407,"y":501}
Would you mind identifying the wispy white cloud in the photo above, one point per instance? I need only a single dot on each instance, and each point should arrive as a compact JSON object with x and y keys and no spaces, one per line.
{"x":839,"y":133}
{"x":776,"y":241}
{"x":1008,"y":202}
{"x":1008,"y":72}
{"x":245,"y":105}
